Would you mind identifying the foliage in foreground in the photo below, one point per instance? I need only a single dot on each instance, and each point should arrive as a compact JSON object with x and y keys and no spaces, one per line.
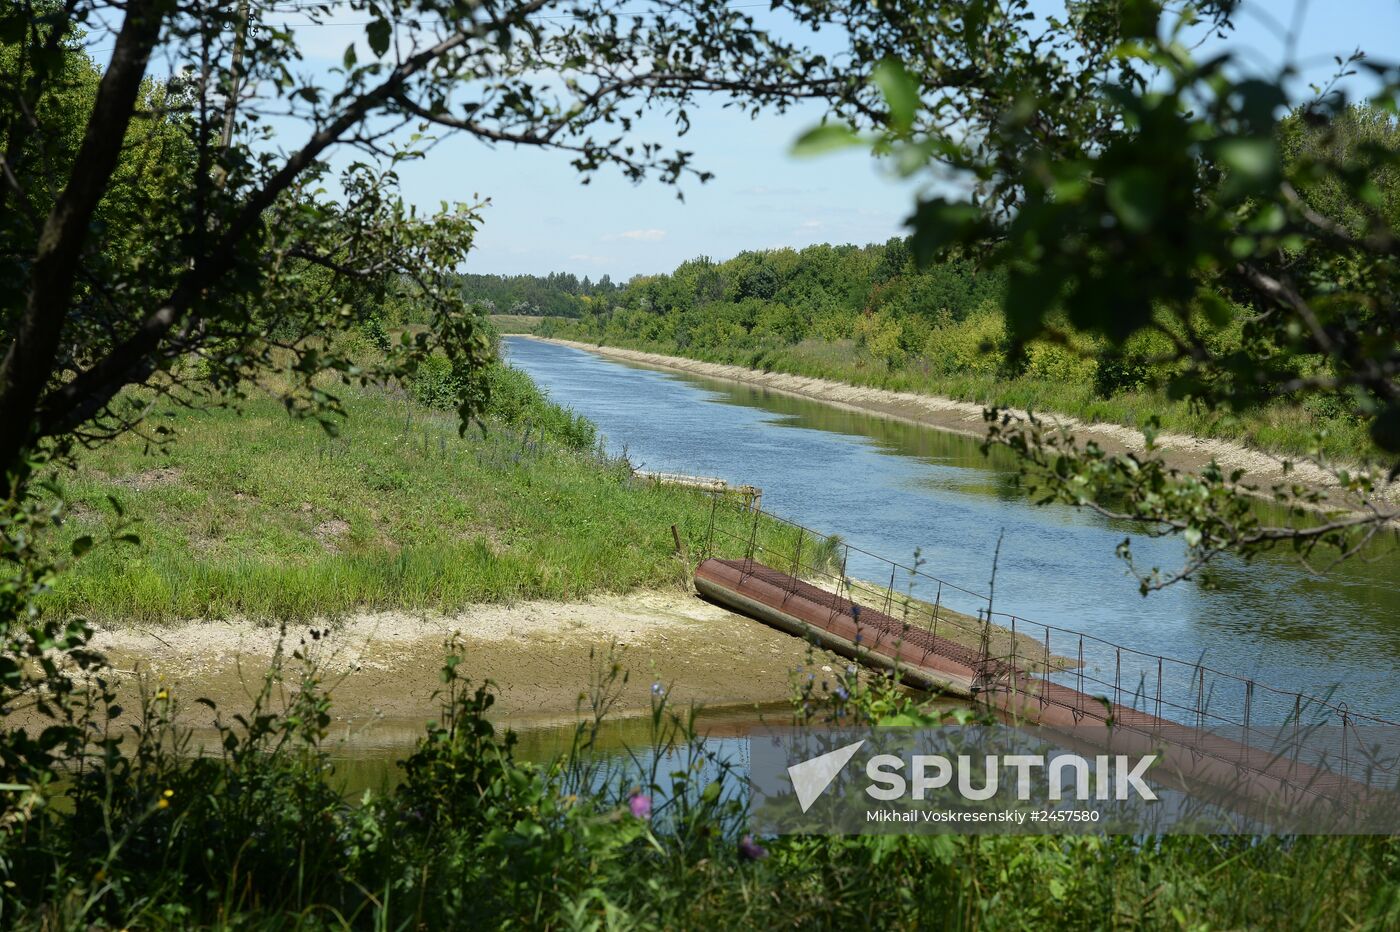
{"x":148,"y":834}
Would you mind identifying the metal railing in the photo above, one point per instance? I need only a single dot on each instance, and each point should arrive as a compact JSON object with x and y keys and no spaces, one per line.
{"x":1089,"y":675}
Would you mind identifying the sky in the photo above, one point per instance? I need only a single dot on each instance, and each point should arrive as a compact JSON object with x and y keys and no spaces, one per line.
{"x":541,"y":219}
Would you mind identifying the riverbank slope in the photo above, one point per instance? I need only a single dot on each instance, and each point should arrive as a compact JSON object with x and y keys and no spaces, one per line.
{"x":942,"y":413}
{"x":381,"y":668}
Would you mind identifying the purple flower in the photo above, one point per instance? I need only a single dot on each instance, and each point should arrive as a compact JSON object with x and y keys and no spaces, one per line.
{"x":751,"y":850}
{"x":657,"y":689}
{"x":842,"y":694}
{"x":640,"y":806}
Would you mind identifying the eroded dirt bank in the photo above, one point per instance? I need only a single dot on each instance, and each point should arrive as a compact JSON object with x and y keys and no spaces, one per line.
{"x":383,"y":668}
{"x":962,"y":417}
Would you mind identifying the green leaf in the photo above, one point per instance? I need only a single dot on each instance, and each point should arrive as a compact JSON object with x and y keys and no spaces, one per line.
{"x":1136,"y":198}
{"x":378,"y":35}
{"x":1251,"y":164}
{"x":828,"y":137}
{"x":901,"y":93}
{"x":937,"y":223}
{"x":1138,"y":18}
{"x":1385,"y":429}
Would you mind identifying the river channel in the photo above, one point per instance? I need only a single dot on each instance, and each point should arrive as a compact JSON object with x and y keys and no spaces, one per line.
{"x":892,"y":488}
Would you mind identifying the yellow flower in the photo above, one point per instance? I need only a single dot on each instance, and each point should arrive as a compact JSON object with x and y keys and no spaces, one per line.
{"x":162,"y":695}
{"x":163,"y":804}
{"x":169,"y":793}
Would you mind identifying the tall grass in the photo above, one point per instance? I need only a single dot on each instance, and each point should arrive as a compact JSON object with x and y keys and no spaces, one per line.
{"x":256,"y":836}
{"x":255,"y":515}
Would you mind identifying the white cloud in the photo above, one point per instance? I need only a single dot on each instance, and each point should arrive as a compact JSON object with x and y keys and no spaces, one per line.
{"x":649,"y":236}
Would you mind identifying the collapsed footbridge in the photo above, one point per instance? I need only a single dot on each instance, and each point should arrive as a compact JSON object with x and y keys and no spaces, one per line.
{"x":1213,"y":724}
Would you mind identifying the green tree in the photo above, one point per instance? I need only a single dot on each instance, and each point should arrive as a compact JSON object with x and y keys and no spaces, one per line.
{"x":160,"y":240}
{"x":1127,"y":187}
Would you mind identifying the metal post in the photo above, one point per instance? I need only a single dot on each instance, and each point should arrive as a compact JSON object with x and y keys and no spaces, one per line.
{"x":1248,"y":701}
{"x":1045,"y":671}
{"x":1079,"y":693}
{"x":748,"y":555}
{"x":933,"y":622}
{"x":797,"y":565}
{"x":710,"y":531}
{"x":836,"y":599}
{"x":1012,"y":655}
{"x":1014,"y":677}
{"x":1297,"y":722}
{"x":1117,"y":677}
{"x":1159,"y":687}
{"x":1346,"y":757}
{"x":1200,"y":700}
{"x":984,"y":648}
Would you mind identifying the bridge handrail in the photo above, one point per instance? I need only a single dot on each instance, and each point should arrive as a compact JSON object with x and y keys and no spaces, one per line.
{"x":989,"y":616}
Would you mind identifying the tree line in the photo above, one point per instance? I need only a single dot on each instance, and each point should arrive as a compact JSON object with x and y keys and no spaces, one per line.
{"x":558,"y":294}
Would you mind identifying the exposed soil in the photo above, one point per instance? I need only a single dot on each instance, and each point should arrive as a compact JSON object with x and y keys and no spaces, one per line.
{"x":150,"y":478}
{"x":382,"y":669}
{"x":963,"y":417}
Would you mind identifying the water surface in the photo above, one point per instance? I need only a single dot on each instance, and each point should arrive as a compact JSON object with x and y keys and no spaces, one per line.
{"x":890,"y":487}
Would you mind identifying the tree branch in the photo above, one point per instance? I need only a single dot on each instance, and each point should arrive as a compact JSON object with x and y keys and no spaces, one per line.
{"x":29,"y":362}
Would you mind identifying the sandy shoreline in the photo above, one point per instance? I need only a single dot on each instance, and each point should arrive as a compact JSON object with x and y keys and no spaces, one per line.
{"x":382,"y":668}
{"x":962,"y":417}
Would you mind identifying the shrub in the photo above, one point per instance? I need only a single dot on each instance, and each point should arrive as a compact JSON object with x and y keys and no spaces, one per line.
{"x":975,"y":346}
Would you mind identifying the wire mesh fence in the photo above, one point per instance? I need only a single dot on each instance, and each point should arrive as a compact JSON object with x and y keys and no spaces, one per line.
{"x":1047,"y":665}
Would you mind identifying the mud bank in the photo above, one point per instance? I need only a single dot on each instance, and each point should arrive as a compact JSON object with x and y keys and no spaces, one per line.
{"x":382,"y":669}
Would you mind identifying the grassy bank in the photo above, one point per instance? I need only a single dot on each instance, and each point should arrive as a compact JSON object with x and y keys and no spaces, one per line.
{"x":517,"y":323}
{"x":960,"y":370}
{"x":257,"y":515}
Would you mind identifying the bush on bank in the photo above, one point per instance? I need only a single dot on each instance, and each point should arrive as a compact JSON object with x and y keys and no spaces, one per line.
{"x":147,"y":834}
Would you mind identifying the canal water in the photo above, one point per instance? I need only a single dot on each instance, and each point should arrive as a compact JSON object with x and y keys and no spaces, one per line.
{"x":891,"y":488}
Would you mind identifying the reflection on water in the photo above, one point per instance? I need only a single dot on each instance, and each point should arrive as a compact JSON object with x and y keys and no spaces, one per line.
{"x":890,"y":487}
{"x":372,"y":763}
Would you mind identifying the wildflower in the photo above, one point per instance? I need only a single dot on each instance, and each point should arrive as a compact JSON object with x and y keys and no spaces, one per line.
{"x":640,"y":806}
{"x":168,"y":793}
{"x":841,"y":693}
{"x":851,"y":670}
{"x":162,"y":695}
{"x":751,"y":850}
{"x":657,"y":689}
